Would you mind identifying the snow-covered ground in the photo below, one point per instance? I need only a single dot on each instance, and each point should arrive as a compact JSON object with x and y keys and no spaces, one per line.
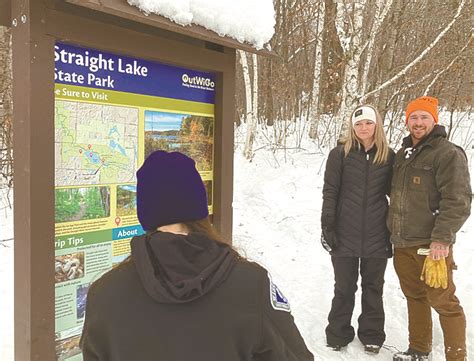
{"x":277,"y":204}
{"x":6,"y":276}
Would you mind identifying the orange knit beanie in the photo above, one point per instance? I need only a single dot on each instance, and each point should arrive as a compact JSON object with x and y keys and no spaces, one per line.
{"x":428,"y":104}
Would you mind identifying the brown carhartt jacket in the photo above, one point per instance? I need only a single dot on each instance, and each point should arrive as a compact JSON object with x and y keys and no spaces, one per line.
{"x":431,"y":194}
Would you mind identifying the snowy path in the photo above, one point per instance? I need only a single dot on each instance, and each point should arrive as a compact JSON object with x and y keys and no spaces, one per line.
{"x":6,"y":278}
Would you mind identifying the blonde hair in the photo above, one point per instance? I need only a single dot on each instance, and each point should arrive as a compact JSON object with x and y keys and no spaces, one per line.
{"x":380,"y":139}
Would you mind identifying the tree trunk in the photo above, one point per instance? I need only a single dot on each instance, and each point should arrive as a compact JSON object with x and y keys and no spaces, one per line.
{"x":250,"y":119}
{"x":389,"y":57}
{"x":381,"y":12}
{"x":252,"y":124}
{"x":352,"y":54}
{"x":318,"y":61}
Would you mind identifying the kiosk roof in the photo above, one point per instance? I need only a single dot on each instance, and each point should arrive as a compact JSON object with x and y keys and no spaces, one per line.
{"x":121,"y":9}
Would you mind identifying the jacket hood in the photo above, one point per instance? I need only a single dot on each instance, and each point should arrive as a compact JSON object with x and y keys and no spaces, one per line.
{"x":438,"y":131}
{"x":176,"y":268}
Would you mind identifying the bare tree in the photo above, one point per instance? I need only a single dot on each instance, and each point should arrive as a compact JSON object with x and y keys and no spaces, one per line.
{"x":440,"y":72}
{"x":349,"y":26}
{"x":381,"y":10}
{"x":318,"y":63}
{"x":251,"y":101}
{"x":6,"y":145}
{"x":425,"y":51}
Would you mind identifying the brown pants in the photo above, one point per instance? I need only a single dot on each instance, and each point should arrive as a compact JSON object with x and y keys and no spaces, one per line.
{"x":420,"y":298}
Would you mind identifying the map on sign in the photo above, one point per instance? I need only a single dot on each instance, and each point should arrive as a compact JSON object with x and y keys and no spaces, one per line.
{"x":95,"y":144}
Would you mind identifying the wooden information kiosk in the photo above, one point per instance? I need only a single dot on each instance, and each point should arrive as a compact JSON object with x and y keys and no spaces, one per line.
{"x":97,"y":85}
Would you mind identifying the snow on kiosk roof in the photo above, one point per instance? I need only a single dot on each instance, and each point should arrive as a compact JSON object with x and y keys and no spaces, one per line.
{"x":130,"y":79}
{"x":247,"y":21}
{"x":246,"y":24}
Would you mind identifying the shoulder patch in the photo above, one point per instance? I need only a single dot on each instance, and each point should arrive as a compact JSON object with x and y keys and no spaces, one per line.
{"x":278,"y":301}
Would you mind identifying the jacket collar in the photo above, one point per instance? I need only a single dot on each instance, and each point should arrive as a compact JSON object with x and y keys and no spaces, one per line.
{"x":358,"y":147}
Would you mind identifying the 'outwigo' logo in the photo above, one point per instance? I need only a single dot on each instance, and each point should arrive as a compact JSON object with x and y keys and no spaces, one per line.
{"x":198,"y":81}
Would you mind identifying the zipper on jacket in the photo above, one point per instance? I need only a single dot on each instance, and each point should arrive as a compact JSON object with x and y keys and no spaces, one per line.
{"x":364,"y":205}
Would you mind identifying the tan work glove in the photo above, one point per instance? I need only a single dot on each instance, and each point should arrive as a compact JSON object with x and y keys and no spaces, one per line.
{"x":435,"y":273}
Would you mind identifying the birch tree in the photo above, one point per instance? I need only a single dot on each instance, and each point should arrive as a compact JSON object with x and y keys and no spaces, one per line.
{"x":356,"y":41}
{"x":349,"y":22}
{"x":251,"y":101}
{"x":252,"y":125}
{"x":318,"y":62}
{"x":382,"y":8}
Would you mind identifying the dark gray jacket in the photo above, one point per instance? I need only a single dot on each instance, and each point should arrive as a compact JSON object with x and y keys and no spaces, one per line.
{"x":355,"y":202}
{"x":188,"y":298}
{"x":431,"y":193}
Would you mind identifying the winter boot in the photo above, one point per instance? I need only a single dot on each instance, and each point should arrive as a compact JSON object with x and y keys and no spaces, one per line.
{"x":372,"y":349}
{"x":335,"y":347}
{"x":412,"y":355}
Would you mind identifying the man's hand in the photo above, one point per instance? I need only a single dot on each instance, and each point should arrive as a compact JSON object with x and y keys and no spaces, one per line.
{"x":439,"y":250}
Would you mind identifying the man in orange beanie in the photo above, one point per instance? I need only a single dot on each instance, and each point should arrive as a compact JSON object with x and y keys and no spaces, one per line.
{"x":427,"y":104}
{"x":429,"y":202}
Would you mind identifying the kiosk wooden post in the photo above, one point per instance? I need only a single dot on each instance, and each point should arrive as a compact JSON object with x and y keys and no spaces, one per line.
{"x":33,"y":140}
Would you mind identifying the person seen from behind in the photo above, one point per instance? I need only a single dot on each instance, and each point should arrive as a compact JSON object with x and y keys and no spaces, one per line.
{"x":185,"y":295}
{"x":353,"y":223}
{"x":430,"y":200}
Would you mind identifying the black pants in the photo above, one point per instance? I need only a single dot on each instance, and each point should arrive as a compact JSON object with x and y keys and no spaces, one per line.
{"x":371,"y":322}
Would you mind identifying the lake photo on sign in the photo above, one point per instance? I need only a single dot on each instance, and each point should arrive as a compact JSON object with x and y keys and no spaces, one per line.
{"x":174,"y":132}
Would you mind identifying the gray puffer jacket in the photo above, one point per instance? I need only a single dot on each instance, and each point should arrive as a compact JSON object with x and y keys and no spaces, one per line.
{"x":355,"y":202}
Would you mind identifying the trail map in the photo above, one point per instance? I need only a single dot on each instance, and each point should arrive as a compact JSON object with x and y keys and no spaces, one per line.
{"x":95,"y":144}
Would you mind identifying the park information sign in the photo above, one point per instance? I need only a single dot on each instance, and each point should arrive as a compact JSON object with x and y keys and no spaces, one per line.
{"x":111,"y":111}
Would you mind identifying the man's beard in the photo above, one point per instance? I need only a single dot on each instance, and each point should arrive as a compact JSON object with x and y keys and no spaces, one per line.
{"x":417,"y":129}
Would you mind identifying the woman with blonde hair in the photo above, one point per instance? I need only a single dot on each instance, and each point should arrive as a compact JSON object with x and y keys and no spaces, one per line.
{"x":356,"y":185}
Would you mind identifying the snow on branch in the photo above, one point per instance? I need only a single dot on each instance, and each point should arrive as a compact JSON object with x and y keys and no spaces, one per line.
{"x":300,"y":49}
{"x":421,"y":56}
{"x":408,"y":86}
{"x":435,"y":79}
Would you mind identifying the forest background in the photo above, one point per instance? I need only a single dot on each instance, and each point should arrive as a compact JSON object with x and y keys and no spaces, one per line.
{"x":332,"y":55}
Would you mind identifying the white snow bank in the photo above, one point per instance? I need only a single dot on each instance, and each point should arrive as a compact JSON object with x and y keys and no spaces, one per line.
{"x":6,"y":275}
{"x":244,"y":20}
